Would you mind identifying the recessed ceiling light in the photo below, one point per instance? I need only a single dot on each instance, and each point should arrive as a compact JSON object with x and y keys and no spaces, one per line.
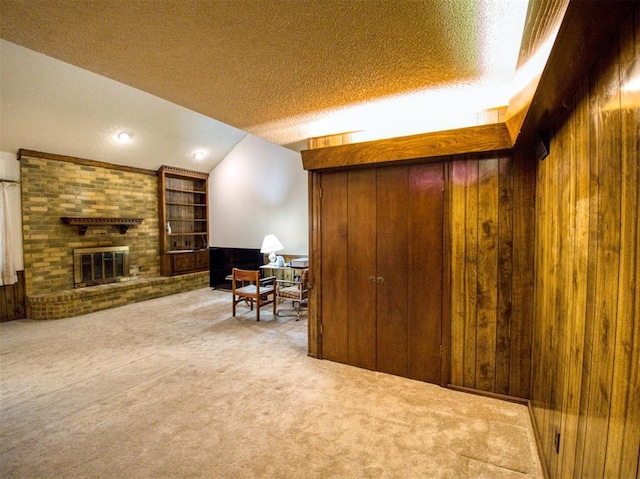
{"x":124,"y":136}
{"x":198,"y":155}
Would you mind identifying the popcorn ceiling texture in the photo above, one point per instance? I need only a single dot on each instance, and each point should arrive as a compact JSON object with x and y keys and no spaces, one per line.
{"x":250,"y":62}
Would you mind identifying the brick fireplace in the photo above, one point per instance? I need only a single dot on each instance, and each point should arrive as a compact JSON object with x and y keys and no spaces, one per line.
{"x":56,"y":187}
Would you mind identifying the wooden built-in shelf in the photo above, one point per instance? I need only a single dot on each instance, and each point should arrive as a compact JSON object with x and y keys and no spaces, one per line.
{"x":184,"y":235}
{"x":83,"y":223}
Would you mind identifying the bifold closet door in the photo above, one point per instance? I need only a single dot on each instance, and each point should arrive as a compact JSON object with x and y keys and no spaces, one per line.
{"x":425,"y":266}
{"x":409,"y":231}
{"x":334,"y":289}
{"x":392,"y":221}
{"x":348,"y":249}
{"x":381,"y":268}
{"x":361,"y":275}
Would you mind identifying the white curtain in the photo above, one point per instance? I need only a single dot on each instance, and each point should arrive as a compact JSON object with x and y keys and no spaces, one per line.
{"x":9,"y":251}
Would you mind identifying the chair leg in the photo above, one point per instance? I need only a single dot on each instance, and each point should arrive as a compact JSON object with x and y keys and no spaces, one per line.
{"x":275,"y":301}
{"x":234,"y":305}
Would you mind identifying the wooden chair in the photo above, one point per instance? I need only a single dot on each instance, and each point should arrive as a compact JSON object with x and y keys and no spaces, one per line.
{"x":248,"y":287}
{"x":295,"y":291}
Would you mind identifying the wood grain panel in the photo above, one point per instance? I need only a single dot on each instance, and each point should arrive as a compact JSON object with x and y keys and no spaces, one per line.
{"x":314,"y":313}
{"x":334,"y":280}
{"x":576,"y":270}
{"x":424,"y":272}
{"x":362,"y":266}
{"x":12,"y":300}
{"x":504,"y":274}
{"x":587,"y":266}
{"x":605,"y":123}
{"x":491,"y":299}
{"x":487,"y":274}
{"x":626,"y":307}
{"x":457,"y":200}
{"x":470,"y":293}
{"x":590,"y":310}
{"x":625,"y":415}
{"x":521,"y":326}
{"x":392,"y":299}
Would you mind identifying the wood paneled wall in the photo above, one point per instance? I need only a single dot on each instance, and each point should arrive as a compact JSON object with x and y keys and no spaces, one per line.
{"x":586,"y":357}
{"x":12,"y":300}
{"x":489,"y":224}
{"x":491,"y":214}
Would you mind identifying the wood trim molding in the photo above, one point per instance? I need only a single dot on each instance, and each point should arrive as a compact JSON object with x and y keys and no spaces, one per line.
{"x":83,"y":161}
{"x":183,"y":171}
{"x":479,"y":392}
{"x":445,"y":333}
{"x":584,"y":28}
{"x":475,"y":139}
{"x":315,"y":260}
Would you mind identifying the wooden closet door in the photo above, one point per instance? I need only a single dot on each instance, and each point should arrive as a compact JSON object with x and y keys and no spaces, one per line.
{"x":361,"y":310}
{"x":391,"y":269}
{"x":410,"y":209}
{"x":425,"y":270}
{"x":333,"y":275}
{"x":381,"y":269}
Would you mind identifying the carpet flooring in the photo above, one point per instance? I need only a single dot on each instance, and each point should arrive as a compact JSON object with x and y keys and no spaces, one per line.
{"x":176,"y":387}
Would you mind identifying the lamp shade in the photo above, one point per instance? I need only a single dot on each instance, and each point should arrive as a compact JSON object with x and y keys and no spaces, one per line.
{"x":270,"y":244}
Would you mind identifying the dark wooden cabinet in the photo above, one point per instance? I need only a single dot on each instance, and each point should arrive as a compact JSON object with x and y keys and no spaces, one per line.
{"x":381,"y":249}
{"x":184,"y":235}
{"x":182,"y":262}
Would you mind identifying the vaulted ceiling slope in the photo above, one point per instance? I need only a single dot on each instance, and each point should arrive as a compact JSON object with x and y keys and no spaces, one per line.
{"x":288,"y":70}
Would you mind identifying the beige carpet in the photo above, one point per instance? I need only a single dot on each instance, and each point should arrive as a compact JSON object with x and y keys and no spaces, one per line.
{"x":176,"y":387}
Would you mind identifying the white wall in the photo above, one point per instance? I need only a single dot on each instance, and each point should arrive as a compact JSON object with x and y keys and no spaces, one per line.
{"x":259,"y":188}
{"x":10,"y":170}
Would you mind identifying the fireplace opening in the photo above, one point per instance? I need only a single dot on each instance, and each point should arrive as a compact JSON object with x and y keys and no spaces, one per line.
{"x":100,"y":265}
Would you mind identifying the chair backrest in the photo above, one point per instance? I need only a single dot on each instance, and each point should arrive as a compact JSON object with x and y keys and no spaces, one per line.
{"x":244,"y":275}
{"x":304,"y":277}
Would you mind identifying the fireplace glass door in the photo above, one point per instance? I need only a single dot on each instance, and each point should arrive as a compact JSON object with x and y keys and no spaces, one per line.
{"x":100,"y":265}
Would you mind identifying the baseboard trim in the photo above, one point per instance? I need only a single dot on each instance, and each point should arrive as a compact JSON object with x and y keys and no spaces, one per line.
{"x":478,"y":392}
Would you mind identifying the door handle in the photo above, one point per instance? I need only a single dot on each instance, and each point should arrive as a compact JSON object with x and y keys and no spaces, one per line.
{"x":372,"y":279}
{"x":380,"y":280}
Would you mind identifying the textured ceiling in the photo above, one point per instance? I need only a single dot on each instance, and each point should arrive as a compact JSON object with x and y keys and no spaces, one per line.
{"x":266,"y":67}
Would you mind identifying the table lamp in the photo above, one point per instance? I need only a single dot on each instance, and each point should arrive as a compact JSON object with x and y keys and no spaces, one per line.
{"x":270,"y":245}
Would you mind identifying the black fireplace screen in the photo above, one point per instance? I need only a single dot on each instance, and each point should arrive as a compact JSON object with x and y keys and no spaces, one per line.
{"x":100,"y":265}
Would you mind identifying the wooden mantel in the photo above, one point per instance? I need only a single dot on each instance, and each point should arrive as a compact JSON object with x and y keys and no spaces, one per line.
{"x":83,"y":223}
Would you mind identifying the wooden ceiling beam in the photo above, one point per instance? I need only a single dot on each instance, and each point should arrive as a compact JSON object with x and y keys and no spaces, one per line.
{"x":476,"y":139}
